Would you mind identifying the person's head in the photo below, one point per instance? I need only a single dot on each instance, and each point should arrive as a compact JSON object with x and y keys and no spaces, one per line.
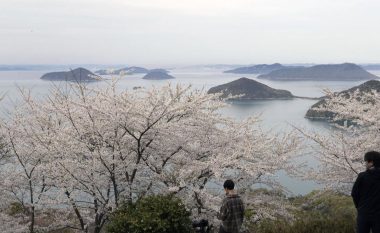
{"x":228,"y":186}
{"x":372,"y":159}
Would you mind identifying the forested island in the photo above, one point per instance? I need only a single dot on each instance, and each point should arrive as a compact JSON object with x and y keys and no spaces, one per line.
{"x":249,"y":89}
{"x":158,"y":74}
{"x":76,"y":75}
{"x":335,"y":72}
{"x":314,"y":114}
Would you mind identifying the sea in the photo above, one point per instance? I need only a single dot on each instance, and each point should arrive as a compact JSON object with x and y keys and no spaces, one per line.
{"x":277,"y":116}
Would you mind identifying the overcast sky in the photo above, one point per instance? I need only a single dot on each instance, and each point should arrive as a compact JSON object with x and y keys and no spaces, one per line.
{"x":184,"y":32}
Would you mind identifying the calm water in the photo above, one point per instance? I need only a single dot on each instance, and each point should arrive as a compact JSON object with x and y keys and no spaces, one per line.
{"x":276,"y":115}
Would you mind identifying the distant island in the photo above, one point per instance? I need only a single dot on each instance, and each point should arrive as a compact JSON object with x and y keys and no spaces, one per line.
{"x":158,"y":74}
{"x":314,"y":114}
{"x":371,"y":66}
{"x":127,"y":71}
{"x":250,"y":89}
{"x":337,"y":72}
{"x":123,"y":71}
{"x":76,"y":75}
{"x":212,"y":67}
{"x":257,"y":69}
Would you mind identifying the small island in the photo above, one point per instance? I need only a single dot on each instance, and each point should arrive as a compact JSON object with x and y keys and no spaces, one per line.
{"x":250,"y":90}
{"x":314,"y":114}
{"x":127,"y":71}
{"x":337,"y":72}
{"x":158,"y":74}
{"x":76,"y":75}
{"x":256,"y":69}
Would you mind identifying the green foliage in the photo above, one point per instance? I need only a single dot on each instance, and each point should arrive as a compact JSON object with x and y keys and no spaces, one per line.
{"x":15,"y":208}
{"x":153,"y":214}
{"x":317,"y":212}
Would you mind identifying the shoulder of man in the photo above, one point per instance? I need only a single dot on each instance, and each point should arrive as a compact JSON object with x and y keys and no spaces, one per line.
{"x":362,"y":174}
{"x":225,"y":200}
{"x":234,"y":198}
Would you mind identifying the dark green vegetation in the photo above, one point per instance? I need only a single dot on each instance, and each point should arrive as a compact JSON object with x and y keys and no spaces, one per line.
{"x":76,"y":75}
{"x":317,"y":212}
{"x":312,"y":113}
{"x":154,"y":214}
{"x":15,"y":208}
{"x":339,"y":72}
{"x":250,"y":90}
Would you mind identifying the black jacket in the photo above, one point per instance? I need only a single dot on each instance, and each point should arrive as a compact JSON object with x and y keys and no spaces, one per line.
{"x":366,"y":193}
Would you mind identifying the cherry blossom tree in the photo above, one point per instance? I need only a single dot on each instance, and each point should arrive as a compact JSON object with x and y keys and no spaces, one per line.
{"x":340,"y":152}
{"x":88,"y":149}
{"x":23,"y":177}
{"x":12,"y":224}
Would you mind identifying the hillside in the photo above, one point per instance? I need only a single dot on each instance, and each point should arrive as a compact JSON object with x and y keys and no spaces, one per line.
{"x":76,"y":75}
{"x":339,"y":72}
{"x":250,"y":89}
{"x":256,"y":69}
{"x":158,"y":75}
{"x":313,"y":114}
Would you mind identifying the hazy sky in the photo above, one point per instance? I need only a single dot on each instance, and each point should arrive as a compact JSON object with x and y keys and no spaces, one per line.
{"x":179,"y":32}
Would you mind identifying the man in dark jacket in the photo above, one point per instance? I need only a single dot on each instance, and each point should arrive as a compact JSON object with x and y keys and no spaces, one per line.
{"x":366,"y":195}
{"x":232,"y":210}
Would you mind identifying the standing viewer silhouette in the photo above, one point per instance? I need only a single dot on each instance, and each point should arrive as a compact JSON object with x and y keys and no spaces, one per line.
{"x":366,"y":195}
{"x":232,"y":210}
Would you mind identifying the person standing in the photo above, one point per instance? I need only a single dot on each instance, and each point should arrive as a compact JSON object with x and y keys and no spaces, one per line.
{"x":366,"y":195}
{"x":232,"y":210}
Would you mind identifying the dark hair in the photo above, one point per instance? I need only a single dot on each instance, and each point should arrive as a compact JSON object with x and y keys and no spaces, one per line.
{"x":229,"y":184}
{"x":373,"y":156}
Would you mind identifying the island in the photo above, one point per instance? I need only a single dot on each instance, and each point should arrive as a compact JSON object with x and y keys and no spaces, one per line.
{"x":76,"y":75}
{"x":371,"y":67}
{"x":123,"y":71}
{"x":127,"y":71}
{"x":158,"y":74}
{"x":336,"y":72}
{"x":257,"y":69}
{"x":104,"y":72}
{"x":249,"y":90}
{"x":314,"y":114}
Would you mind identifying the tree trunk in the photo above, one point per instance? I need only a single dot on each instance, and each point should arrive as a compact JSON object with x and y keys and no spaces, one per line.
{"x":31,"y":228}
{"x":33,"y":208}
